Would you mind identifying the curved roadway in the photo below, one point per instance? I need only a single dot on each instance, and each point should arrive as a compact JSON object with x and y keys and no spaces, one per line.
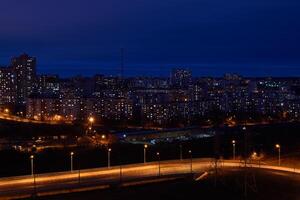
{"x":43,"y":184}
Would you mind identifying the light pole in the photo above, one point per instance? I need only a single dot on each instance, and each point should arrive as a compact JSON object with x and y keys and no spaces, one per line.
{"x":158,"y":157}
{"x":91,"y":121}
{"x":191,"y":160}
{"x":145,"y":151}
{"x":79,"y":171}
{"x":279,"y":151}
{"x":71,"y":156}
{"x":31,"y":160}
{"x":32,"y":173}
{"x":233,"y":149}
{"x":6,"y":111}
{"x":108,"y":157}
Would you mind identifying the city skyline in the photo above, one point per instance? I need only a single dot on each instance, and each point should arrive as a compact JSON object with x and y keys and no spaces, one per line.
{"x":150,"y":99}
{"x":178,"y":99}
{"x":252,"y":38}
{"x":204,"y":70}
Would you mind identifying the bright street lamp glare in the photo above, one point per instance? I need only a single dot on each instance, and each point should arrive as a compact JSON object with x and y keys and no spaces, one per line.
{"x":91,"y":119}
{"x":145,"y":146}
{"x":277,"y":146}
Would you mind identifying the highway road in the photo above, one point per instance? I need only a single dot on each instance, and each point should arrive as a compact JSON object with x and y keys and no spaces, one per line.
{"x":42,"y":184}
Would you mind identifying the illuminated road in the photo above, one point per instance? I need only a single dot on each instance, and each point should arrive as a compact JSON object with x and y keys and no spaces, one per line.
{"x":24,"y":120}
{"x":23,"y":186}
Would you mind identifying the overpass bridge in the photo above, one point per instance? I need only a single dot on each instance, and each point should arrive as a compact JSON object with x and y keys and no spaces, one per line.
{"x":100,"y":178}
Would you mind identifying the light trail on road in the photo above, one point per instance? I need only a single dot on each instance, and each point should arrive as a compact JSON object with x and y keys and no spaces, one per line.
{"x":24,"y":185}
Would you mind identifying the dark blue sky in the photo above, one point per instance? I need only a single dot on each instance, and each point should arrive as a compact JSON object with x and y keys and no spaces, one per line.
{"x":211,"y":37}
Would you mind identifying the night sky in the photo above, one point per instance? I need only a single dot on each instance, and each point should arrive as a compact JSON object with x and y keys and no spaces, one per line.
{"x":211,"y":37}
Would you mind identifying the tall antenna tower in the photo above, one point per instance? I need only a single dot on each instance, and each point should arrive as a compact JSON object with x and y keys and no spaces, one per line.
{"x":122,"y":63}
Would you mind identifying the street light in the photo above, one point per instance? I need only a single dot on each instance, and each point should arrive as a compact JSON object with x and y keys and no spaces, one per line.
{"x":233,"y":149}
{"x":91,"y":120}
{"x":279,"y":151}
{"x":71,"y":155}
{"x":108,"y":157}
{"x":158,"y":157}
{"x":191,"y":163}
{"x":31,"y":160}
{"x":32,"y":173}
{"x":254,"y":155}
{"x":145,"y":149}
{"x":6,"y":110}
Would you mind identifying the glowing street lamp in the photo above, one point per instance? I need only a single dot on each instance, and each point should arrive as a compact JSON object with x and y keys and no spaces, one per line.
{"x":145,"y":149}
{"x":158,"y":157}
{"x":32,"y":167}
{"x":191,"y":160}
{"x":32,"y":173}
{"x":279,"y":151}
{"x":71,"y":155}
{"x":233,"y":149}
{"x":6,"y":110}
{"x":254,"y":155}
{"x":108,"y":157}
{"x":91,"y":120}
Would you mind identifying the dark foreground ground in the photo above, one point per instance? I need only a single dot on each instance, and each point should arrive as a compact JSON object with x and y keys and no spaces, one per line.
{"x":230,"y":185}
{"x":260,"y":138}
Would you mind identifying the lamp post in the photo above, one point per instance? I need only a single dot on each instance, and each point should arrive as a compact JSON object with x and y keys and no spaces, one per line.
{"x":71,"y":157}
{"x":31,"y":161}
{"x":145,"y":152}
{"x":6,"y":111}
{"x":32,"y":173}
{"x":233,"y":149}
{"x":279,"y":151}
{"x":191,"y":160}
{"x":108,"y":157}
{"x":91,"y":121}
{"x":158,"y":157}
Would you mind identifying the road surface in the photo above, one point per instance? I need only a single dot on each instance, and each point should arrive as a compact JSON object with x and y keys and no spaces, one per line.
{"x":42,"y":184}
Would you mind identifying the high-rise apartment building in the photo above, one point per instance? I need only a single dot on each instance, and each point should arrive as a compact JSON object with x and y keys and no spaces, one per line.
{"x":7,"y":87}
{"x":24,"y":68}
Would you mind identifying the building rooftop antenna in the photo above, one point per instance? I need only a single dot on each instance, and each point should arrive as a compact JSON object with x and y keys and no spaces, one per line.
{"x":122,"y":63}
